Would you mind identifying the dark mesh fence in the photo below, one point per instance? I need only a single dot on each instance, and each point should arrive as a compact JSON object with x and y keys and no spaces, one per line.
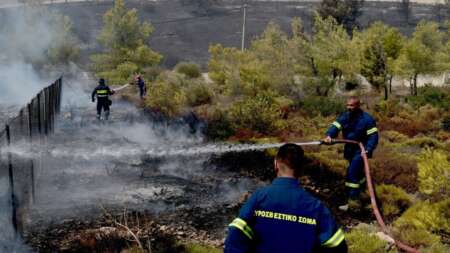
{"x":33,"y":122}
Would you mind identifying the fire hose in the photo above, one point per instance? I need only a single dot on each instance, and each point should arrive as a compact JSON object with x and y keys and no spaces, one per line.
{"x":370,"y":187}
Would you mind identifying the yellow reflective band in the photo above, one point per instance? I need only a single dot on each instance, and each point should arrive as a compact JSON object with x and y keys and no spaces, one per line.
{"x":336,"y":124}
{"x":242,"y":225}
{"x":362,"y":181}
{"x":351,"y":185}
{"x":335,"y":240}
{"x":372,"y":130}
{"x":102,"y":91}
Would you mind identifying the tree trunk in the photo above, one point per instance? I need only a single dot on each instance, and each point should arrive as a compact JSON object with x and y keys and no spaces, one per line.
{"x":415,"y":85}
{"x":390,"y":84}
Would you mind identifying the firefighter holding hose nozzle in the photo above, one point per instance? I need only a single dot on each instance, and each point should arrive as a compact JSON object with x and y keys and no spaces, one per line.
{"x":359,"y":126}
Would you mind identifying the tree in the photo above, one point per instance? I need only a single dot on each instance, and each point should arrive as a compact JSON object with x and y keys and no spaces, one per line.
{"x":332,"y":55}
{"x":124,"y":41}
{"x":423,"y":54}
{"x":64,"y":47}
{"x":344,"y":11}
{"x":381,"y":46}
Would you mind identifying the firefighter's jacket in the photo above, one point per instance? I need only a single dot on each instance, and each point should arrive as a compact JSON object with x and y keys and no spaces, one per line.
{"x":282,"y":218}
{"x":101,"y":92}
{"x":358,"y":126}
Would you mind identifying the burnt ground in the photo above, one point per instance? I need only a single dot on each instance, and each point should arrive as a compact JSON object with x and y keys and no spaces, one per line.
{"x":91,"y":177}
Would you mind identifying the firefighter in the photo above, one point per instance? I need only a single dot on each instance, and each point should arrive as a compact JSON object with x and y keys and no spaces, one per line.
{"x":141,"y":84}
{"x":356,"y":125}
{"x":283,"y":217}
{"x":102,"y":92}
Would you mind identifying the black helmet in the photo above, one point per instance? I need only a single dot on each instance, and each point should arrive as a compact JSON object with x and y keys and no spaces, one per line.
{"x":101,"y":81}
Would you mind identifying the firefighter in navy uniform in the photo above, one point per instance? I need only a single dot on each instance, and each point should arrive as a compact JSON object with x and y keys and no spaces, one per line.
{"x":102,"y":92}
{"x":355,"y":125}
{"x":283,"y":217}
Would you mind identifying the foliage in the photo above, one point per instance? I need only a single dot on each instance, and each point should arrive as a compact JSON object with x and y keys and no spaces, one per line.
{"x":197,"y":248}
{"x":433,"y":217}
{"x":191,"y":70}
{"x":422,"y":54}
{"x":394,"y":200}
{"x":395,"y":165}
{"x":123,"y":38}
{"x":167,"y":95}
{"x":434,"y":173}
{"x":324,"y":106}
{"x":435,"y":96}
{"x":380,"y":47}
{"x":446,"y":124}
{"x":393,"y":136}
{"x":363,"y":240}
{"x":258,"y":113}
{"x":219,"y":125}
{"x":345,"y":12}
{"x":198,"y":93}
{"x":64,"y":47}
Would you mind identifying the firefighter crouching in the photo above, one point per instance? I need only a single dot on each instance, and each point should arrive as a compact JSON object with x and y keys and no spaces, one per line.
{"x":283,"y":217}
{"x":102,"y":92}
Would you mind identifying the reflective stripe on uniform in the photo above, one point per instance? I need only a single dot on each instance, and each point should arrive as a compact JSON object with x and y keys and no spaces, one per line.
{"x":102,"y":91}
{"x":372,"y":130}
{"x":242,"y":225}
{"x":362,"y":181}
{"x":335,"y":240}
{"x":336,"y":124}
{"x":352,"y":185}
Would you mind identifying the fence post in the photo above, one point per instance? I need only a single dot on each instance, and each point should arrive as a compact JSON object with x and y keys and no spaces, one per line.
{"x":39,"y":113}
{"x":11,"y":181}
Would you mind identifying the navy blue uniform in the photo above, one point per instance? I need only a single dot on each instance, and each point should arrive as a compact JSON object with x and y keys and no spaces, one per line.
{"x":284,"y":218}
{"x":358,"y":126}
{"x":102,"y":92}
{"x":141,"y":84}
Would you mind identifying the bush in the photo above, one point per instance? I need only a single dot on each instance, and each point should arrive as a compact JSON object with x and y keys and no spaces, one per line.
{"x":166,"y":98}
{"x":259,"y":113}
{"x":324,"y":106}
{"x":362,"y":240}
{"x":434,"y":173}
{"x":394,"y":200}
{"x":432,"y":217}
{"x":435,"y":96}
{"x":197,"y":248}
{"x":393,"y":136}
{"x":219,"y":126}
{"x":191,"y":70}
{"x":421,"y":223}
{"x":392,"y":166}
{"x":198,"y":93}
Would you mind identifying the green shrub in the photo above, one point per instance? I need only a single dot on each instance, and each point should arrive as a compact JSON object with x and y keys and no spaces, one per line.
{"x":197,"y":248}
{"x":362,"y":240}
{"x":394,"y":200}
{"x":189,"y":69}
{"x":432,"y":217}
{"x":436,"y":248}
{"x":435,"y":96}
{"x":198,"y":93}
{"x":417,"y":237}
{"x":259,"y":113}
{"x":434,"y":173}
{"x":166,"y":98}
{"x":324,"y":106}
{"x":219,"y":126}
{"x":393,"y":136}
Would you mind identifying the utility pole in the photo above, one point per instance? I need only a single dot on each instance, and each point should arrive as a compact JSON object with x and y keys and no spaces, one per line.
{"x":243,"y":28}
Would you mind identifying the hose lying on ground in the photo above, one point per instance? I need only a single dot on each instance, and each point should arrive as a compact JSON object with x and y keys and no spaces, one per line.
{"x":373,"y":201}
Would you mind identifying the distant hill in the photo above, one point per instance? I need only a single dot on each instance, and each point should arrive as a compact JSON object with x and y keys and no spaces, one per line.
{"x":184,"y":29}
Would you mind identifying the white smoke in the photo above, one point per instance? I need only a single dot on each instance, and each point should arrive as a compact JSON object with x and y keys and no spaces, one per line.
{"x":26,"y":35}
